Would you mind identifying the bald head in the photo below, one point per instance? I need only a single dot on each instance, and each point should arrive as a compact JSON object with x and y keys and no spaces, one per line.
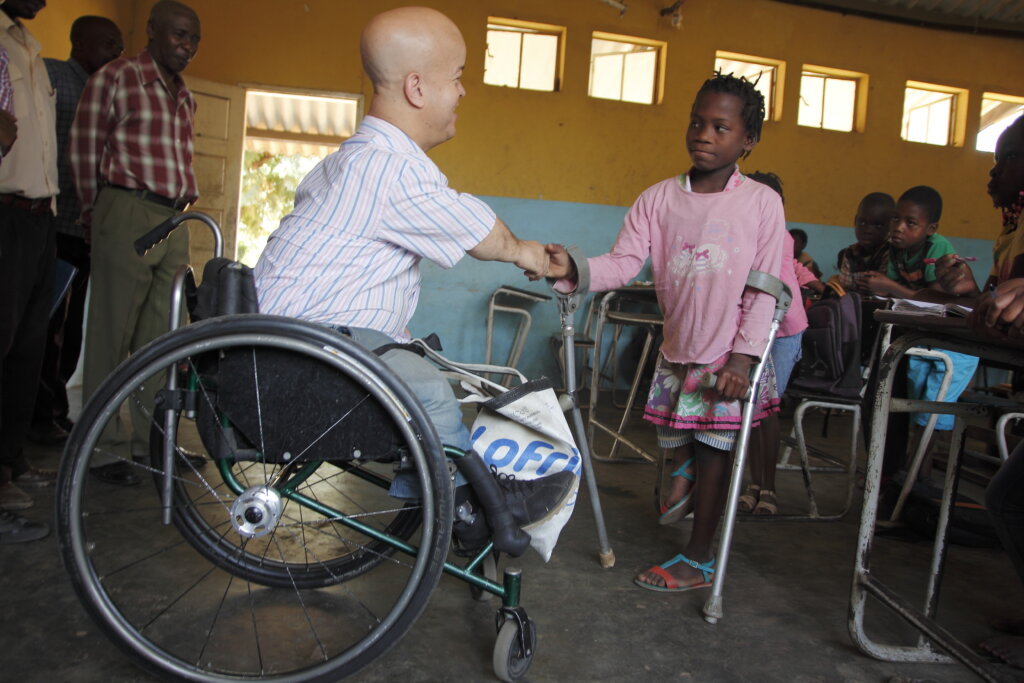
{"x":414,"y":57}
{"x":405,"y":40}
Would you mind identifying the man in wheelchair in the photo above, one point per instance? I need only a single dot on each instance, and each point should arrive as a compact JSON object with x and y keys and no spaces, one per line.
{"x":348,"y":255}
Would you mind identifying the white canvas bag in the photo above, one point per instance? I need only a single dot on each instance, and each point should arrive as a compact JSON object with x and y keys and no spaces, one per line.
{"x":521,"y":432}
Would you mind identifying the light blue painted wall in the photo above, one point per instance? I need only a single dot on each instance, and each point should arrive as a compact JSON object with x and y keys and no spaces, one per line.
{"x":454,"y":303}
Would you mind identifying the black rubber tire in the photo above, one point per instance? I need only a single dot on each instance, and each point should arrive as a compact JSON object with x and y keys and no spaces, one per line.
{"x":187,"y":615}
{"x":510,"y":663}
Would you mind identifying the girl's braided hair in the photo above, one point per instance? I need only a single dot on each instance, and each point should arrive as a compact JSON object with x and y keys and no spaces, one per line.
{"x":753,"y":111}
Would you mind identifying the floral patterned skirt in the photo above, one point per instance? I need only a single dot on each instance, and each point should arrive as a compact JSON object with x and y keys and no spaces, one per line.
{"x":678,"y":400}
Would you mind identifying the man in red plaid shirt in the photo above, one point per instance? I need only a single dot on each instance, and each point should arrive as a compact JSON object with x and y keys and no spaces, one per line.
{"x":131,"y":155}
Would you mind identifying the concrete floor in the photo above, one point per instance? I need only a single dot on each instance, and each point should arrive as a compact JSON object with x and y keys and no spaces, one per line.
{"x":785,"y":604}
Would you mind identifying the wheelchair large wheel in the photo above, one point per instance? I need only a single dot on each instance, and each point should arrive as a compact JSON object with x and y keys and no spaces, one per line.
{"x":264,"y":569}
{"x":348,"y":555}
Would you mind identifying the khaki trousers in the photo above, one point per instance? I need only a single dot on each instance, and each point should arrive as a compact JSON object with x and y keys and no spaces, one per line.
{"x":129,"y":301}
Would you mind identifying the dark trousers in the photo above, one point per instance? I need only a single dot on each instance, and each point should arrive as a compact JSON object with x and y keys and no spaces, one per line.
{"x":1004,"y":500}
{"x":64,"y":337}
{"x":27,"y":253}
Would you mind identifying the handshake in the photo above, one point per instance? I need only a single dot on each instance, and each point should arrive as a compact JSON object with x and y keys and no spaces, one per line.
{"x":544,"y":260}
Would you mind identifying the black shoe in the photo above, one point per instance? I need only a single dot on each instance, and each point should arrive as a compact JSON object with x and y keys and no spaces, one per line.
{"x":119,"y":473}
{"x":537,"y":500}
{"x":64,"y":423}
{"x":47,"y":434}
{"x":17,"y":529}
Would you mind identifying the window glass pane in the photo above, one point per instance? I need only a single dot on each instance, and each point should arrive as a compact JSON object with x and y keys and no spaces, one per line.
{"x":840,"y":96}
{"x":927,"y":116}
{"x":540,"y":54}
{"x":501,"y":63}
{"x":812,"y":100}
{"x":606,"y":76}
{"x":638,"y":77}
{"x":939,"y":119}
{"x":996,"y":116}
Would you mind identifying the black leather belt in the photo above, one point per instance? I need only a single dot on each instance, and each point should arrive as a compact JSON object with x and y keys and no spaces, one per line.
{"x":41,"y":205}
{"x":146,"y":195}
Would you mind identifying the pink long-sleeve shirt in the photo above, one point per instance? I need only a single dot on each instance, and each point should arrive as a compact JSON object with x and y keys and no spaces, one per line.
{"x":702,"y":247}
{"x":794,"y":275}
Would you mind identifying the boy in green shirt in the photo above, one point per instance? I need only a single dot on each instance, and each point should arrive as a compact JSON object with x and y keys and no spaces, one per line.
{"x":915,"y":248}
{"x":915,"y":244}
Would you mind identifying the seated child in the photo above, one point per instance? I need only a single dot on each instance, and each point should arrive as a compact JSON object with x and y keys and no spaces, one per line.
{"x":875,"y":215}
{"x":805,"y":259}
{"x":915,"y":248}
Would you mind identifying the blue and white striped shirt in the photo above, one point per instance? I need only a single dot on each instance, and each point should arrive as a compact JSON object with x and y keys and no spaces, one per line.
{"x":364,"y":217}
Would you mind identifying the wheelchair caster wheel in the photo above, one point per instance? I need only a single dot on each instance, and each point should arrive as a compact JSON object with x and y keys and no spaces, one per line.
{"x":514,"y":649}
{"x":488,"y":568}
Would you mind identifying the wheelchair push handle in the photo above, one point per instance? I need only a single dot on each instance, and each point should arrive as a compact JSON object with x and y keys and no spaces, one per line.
{"x":160,"y":232}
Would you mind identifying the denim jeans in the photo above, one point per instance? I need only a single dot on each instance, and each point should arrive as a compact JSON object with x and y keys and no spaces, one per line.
{"x":431,"y":388}
{"x":786,"y":352}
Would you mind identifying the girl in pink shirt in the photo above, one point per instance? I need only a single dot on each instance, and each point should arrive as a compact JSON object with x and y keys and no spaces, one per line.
{"x":704,"y":231}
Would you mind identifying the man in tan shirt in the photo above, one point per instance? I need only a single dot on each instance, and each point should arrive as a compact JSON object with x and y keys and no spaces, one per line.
{"x":28,"y":185}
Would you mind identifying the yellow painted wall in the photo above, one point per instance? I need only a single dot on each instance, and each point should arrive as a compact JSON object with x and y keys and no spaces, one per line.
{"x":53,"y":23}
{"x":566,"y":146}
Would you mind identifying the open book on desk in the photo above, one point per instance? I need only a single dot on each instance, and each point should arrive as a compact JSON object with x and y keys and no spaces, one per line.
{"x":913,"y":307}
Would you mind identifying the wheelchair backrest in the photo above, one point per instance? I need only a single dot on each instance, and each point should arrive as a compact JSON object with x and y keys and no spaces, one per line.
{"x":228,"y":287}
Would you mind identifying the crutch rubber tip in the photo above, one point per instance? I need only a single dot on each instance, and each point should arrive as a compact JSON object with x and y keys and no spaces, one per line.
{"x":607,"y":559}
{"x":713,"y":609}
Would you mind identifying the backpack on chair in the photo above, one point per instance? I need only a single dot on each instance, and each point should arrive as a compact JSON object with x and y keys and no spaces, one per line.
{"x":831,"y":349}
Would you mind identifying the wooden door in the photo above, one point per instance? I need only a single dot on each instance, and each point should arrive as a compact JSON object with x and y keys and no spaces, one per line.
{"x":219,"y":135}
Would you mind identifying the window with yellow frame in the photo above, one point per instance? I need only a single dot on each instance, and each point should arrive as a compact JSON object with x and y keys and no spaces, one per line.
{"x":626,"y":68}
{"x":997,"y":113}
{"x":524,"y":55}
{"x":832,"y":99}
{"x":934,"y":114}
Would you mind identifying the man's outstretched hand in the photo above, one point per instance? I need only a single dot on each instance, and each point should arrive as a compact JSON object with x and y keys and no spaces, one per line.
{"x":533,"y":259}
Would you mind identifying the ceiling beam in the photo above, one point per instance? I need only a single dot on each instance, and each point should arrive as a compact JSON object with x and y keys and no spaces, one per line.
{"x":916,"y":17}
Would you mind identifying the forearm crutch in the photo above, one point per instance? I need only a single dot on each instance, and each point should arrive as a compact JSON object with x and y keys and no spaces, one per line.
{"x":771,"y":285}
{"x":567,"y":305}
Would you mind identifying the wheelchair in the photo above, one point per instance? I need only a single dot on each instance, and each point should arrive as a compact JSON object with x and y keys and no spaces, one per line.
{"x":279,"y":555}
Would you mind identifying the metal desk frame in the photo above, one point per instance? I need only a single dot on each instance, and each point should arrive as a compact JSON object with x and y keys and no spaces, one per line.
{"x":945,"y":333}
{"x":651,"y":323}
